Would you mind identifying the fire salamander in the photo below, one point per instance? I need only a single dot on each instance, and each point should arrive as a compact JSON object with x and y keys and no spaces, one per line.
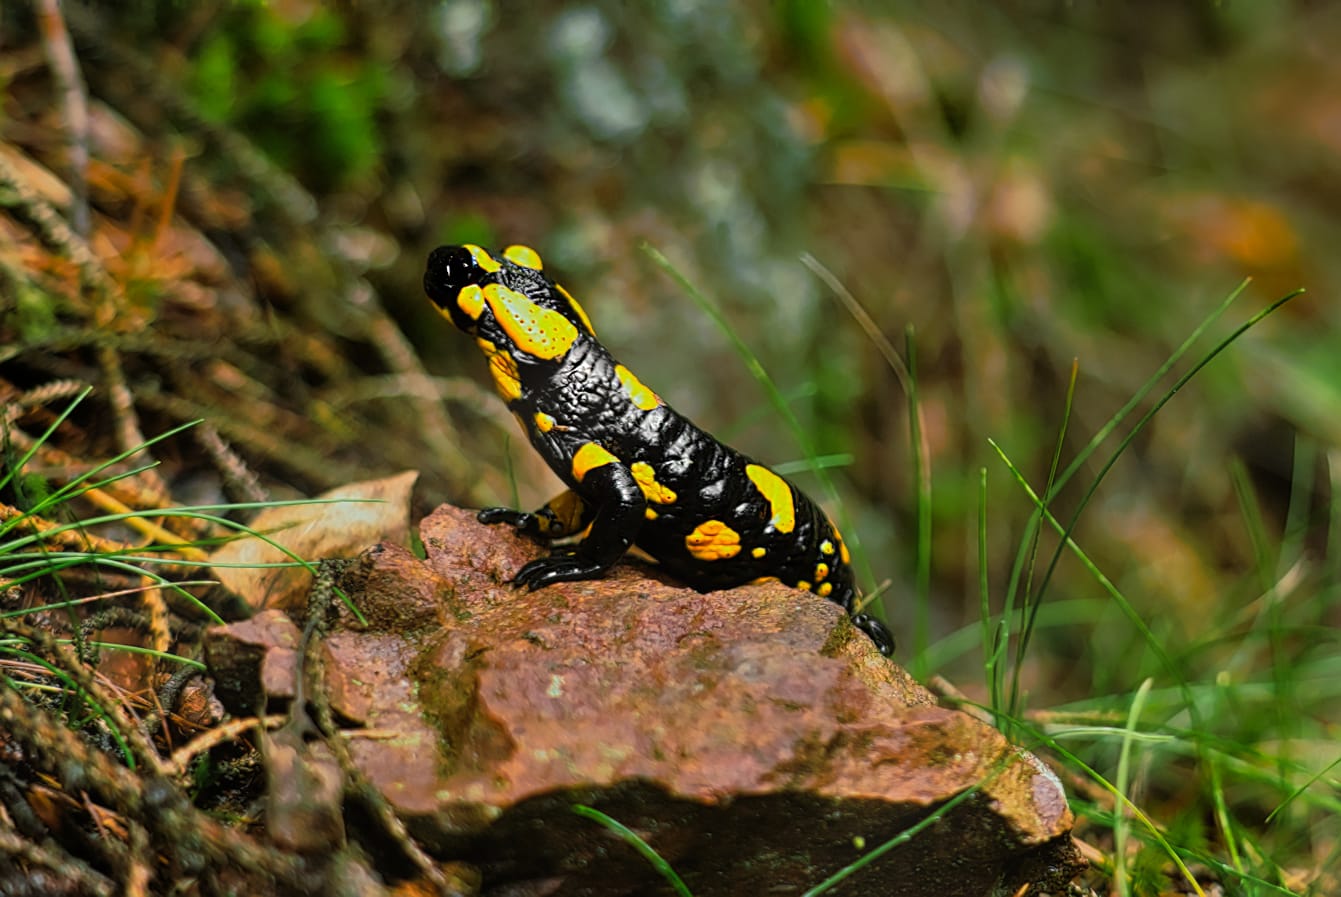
{"x":637,"y":472}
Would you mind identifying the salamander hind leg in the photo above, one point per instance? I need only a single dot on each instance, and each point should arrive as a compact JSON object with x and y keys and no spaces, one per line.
{"x":845,"y":596}
{"x":883,"y":638}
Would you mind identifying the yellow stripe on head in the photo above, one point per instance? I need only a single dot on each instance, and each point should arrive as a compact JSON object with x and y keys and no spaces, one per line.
{"x":483,"y":258}
{"x":539,"y":332}
{"x":524,"y":256}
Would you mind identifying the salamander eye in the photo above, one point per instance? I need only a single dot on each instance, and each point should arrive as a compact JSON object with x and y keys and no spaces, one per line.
{"x":449,"y":269}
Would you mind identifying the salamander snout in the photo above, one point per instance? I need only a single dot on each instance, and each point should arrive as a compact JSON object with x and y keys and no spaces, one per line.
{"x":449,"y":269}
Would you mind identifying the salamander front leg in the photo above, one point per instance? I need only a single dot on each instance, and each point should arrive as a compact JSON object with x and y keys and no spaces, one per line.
{"x":563,"y":515}
{"x":619,"y":503}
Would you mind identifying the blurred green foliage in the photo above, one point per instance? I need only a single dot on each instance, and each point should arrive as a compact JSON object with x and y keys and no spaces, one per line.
{"x":296,"y":87}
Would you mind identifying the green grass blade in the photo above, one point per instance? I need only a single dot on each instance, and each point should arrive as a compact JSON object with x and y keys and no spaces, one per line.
{"x":742,"y":349}
{"x":1250,"y":509}
{"x":1332,"y":565}
{"x":1139,"y":396}
{"x":921,"y":476}
{"x":863,"y":319}
{"x":1151,"y":641}
{"x":1121,"y":448}
{"x":913,"y":831}
{"x":901,"y":838}
{"x":1298,"y":792}
{"x":1123,"y":785}
{"x":91,"y":599}
{"x":1034,"y":600}
{"x":9,"y":549}
{"x":72,"y":687}
{"x":1303,"y":482}
{"x":21,"y":463}
{"x":826,"y":462}
{"x":1223,"y":819}
{"x":1152,"y":830}
{"x":140,"y":649}
{"x":79,"y":483}
{"x":994,"y":638}
{"x":906,"y":373}
{"x":1145,"y":419}
{"x":633,"y":840}
{"x":41,"y":564}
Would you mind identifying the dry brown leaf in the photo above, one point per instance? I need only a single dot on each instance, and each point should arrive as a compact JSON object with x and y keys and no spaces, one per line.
{"x":378,"y":511}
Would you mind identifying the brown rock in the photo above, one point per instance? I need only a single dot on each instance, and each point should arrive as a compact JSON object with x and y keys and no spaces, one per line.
{"x":399,"y":594}
{"x":304,"y":787}
{"x":253,"y":661}
{"x":752,"y":737}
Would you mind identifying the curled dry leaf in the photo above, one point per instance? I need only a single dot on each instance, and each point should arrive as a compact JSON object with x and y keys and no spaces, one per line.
{"x":375,"y":511}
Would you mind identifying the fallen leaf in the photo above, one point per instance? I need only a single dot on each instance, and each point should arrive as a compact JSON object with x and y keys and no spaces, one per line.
{"x":376,"y":511}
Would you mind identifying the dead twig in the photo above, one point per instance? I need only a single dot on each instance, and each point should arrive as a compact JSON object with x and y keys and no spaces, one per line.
{"x":74,"y":105}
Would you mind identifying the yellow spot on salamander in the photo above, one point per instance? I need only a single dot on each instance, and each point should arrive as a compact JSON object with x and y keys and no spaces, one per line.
{"x":544,"y":422}
{"x":647,"y":481}
{"x":713,"y":540}
{"x":826,"y":547}
{"x":762,"y":580}
{"x":567,"y":508}
{"x":779,"y":495}
{"x":824,"y":590}
{"x":524,"y":256}
{"x":843,"y":553}
{"x":539,"y":332}
{"x":649,"y":513}
{"x":471,"y":301}
{"x":803,"y":586}
{"x":503,"y":369}
{"x":483,"y":259}
{"x":640,"y":395}
{"x":581,"y":313}
{"x":759,"y":552}
{"x":590,"y":457}
{"x":821,"y":571}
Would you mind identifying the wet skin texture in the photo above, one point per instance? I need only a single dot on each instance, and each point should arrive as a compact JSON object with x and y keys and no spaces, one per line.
{"x":637,"y":472}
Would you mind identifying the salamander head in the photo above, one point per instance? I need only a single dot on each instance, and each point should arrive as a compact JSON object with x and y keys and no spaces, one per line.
{"x":507,"y":300}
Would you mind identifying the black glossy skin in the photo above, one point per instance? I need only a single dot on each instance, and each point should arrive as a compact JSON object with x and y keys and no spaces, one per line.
{"x":588,"y":403}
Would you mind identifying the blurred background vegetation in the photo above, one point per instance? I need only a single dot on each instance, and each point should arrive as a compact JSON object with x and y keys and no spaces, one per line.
{"x":1025,"y":186}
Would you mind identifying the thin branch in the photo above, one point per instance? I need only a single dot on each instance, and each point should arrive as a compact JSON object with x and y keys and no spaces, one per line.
{"x":73,"y":103}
